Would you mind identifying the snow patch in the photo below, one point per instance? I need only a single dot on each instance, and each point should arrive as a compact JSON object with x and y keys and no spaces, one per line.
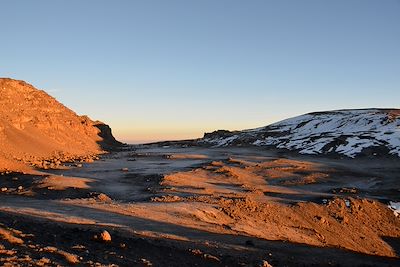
{"x":395,"y":206}
{"x":346,"y":132}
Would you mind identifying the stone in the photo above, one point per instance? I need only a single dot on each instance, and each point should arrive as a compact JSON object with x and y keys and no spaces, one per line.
{"x":265,"y":264}
{"x":103,"y":198}
{"x":105,"y":236}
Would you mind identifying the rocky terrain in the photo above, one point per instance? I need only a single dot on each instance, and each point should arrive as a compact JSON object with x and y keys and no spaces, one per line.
{"x":230,"y":199}
{"x":36,"y":130}
{"x":351,"y":133}
{"x":203,"y":207}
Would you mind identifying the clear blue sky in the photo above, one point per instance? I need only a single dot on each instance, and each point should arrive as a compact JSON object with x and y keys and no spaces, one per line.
{"x":175,"y":69}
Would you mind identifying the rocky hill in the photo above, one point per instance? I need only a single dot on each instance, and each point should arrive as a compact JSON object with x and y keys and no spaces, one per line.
{"x":35,"y":127}
{"x":342,"y":132}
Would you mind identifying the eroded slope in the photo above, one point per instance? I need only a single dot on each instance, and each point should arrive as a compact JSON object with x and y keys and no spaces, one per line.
{"x":35,"y":126}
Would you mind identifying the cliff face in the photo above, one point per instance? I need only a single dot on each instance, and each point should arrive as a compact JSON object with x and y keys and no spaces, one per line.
{"x":108,"y":141}
{"x":35,"y":126}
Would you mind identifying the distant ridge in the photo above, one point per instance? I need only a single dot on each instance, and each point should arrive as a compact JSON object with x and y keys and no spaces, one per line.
{"x":351,"y":132}
{"x":35,"y":127}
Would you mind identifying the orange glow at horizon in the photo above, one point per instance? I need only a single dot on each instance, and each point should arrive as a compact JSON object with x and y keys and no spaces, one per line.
{"x":146,"y":132}
{"x":152,"y":134}
{"x":149,"y":137}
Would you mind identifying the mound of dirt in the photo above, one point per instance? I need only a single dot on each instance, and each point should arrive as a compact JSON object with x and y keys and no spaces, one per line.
{"x":35,"y":127}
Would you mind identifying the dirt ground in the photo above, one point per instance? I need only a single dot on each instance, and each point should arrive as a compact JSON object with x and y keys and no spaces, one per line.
{"x":171,"y":206}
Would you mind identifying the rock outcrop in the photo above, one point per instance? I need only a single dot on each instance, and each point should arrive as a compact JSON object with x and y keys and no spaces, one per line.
{"x":35,"y":127}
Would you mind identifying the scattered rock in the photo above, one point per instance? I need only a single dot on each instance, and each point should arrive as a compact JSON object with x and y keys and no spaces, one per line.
{"x":4,"y":189}
{"x":196,"y":251}
{"x":168,"y":198}
{"x":146,"y":262}
{"x":321,"y":219}
{"x":79,"y":247}
{"x":104,"y":236}
{"x":104,"y":198}
{"x":70,"y":258}
{"x":348,"y":190}
{"x":124,"y":169}
{"x":211,"y":257}
{"x":99,"y":197}
{"x":43,"y":262}
{"x":10,"y":237}
{"x":265,"y":264}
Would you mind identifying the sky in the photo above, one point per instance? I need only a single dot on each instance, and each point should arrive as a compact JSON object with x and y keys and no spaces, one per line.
{"x":167,"y":70}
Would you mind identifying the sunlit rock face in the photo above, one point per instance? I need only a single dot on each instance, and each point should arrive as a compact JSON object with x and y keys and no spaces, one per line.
{"x":34,"y":125}
{"x":352,"y":133}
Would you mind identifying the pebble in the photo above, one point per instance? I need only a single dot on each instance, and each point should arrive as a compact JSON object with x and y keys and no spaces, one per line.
{"x":265,"y":264}
{"x":211,"y":257}
{"x":4,"y":189}
{"x":146,"y":262}
{"x":105,"y":236}
{"x":103,"y":197}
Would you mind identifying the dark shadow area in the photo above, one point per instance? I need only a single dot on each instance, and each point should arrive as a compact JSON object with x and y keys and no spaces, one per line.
{"x":237,"y":247}
{"x":231,"y":250}
{"x":123,"y":250}
{"x":109,"y":143}
{"x":26,"y":185}
{"x":394,"y":243}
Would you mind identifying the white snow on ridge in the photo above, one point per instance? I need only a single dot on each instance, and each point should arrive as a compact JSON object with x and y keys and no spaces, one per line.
{"x":395,"y":206}
{"x":355,"y":145}
{"x":346,"y":132}
{"x":226,"y":141}
{"x":221,"y":142}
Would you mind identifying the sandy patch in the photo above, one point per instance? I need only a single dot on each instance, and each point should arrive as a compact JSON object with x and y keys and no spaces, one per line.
{"x":54,"y":182}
